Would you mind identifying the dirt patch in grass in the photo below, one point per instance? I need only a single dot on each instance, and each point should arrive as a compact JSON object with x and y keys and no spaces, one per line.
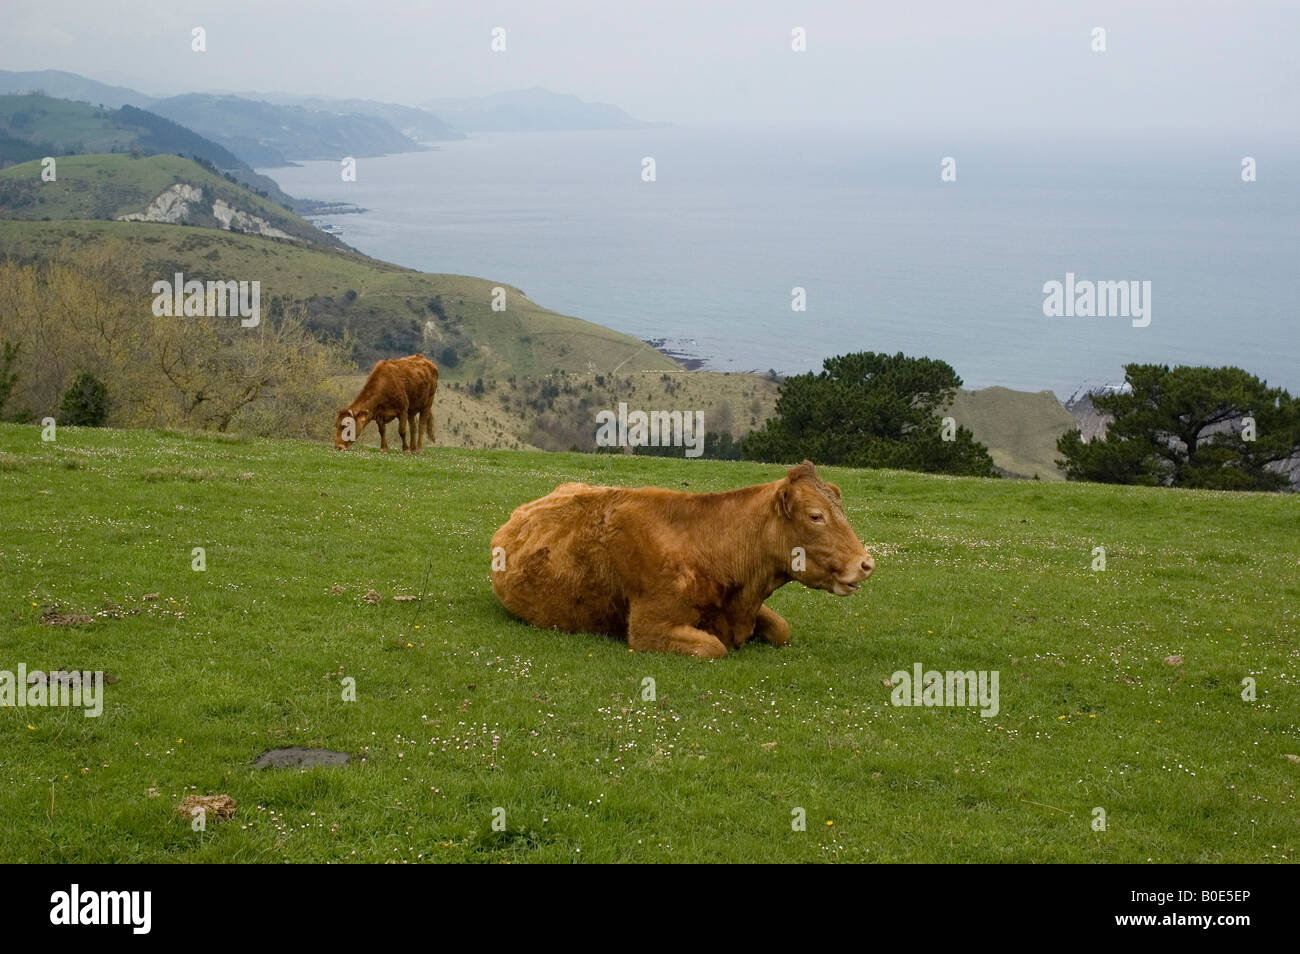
{"x":51,"y":616}
{"x":219,"y":807}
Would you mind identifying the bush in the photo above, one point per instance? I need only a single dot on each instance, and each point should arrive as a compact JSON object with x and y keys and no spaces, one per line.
{"x":870,"y":410}
{"x":85,"y":404}
{"x":8,"y":376}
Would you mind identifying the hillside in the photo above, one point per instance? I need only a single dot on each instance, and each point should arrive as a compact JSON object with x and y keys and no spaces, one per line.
{"x":558,"y":412}
{"x":389,"y":310}
{"x":460,"y":708}
{"x":264,"y":134}
{"x":34,"y":126}
{"x":158,"y":188}
{"x":411,"y":121}
{"x":1019,"y":428}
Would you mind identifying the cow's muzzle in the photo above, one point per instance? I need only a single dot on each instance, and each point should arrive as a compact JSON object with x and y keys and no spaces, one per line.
{"x":850,"y":582}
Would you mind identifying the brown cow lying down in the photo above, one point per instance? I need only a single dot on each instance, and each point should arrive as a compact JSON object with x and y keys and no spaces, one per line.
{"x":401,"y":388}
{"x":671,"y":571}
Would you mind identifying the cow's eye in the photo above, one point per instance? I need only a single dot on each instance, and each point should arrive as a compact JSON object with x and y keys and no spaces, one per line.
{"x":815,"y":517}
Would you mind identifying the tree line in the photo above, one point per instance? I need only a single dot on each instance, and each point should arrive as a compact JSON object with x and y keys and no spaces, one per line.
{"x":1199,"y":427}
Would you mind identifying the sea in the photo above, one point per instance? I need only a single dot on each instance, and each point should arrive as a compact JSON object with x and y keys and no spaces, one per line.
{"x":757,"y":249}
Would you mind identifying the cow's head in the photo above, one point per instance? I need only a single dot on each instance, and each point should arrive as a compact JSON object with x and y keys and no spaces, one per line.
{"x":348,"y":427}
{"x":811,"y":516}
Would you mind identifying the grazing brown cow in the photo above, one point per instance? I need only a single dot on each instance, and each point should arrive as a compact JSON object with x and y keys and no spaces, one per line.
{"x":671,"y":571}
{"x":401,"y":388}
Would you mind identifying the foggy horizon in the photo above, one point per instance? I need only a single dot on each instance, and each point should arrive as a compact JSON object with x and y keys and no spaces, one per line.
{"x":942,"y":68}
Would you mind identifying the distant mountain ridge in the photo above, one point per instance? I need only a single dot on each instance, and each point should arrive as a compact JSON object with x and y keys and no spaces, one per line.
{"x":270,"y":129}
{"x":257,"y":132}
{"x":531,"y":110}
{"x":63,"y":85}
{"x":265,"y":134}
{"x":411,"y":121}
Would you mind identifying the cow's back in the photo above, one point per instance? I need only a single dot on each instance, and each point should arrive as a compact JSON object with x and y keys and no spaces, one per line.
{"x":552,"y":562}
{"x":421,"y":379}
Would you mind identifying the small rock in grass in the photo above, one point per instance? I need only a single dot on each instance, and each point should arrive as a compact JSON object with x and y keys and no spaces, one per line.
{"x":296,"y":755}
{"x":372,"y":597}
{"x":1173,"y":660}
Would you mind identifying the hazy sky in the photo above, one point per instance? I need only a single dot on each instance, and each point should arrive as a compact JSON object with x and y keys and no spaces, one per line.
{"x":1205,"y":66}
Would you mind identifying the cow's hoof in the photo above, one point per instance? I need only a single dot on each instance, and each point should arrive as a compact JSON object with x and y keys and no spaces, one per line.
{"x":713,"y":650}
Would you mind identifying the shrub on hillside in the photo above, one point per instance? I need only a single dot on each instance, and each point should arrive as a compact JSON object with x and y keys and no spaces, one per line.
{"x":8,"y":376}
{"x":85,"y":404}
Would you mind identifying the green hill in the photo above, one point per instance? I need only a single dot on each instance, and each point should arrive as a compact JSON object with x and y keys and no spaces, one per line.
{"x":160,"y":187}
{"x":33,"y":126}
{"x":388,"y":310}
{"x":459,"y":708}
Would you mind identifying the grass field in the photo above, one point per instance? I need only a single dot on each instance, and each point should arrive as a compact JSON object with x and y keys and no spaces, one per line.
{"x":461,"y":710}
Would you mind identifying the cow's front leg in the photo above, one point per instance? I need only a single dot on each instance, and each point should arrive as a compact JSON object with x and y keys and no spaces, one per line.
{"x":383,"y":434}
{"x":771,"y":627}
{"x":647,"y":633}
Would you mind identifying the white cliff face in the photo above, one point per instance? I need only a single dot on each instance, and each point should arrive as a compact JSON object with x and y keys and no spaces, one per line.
{"x":171,"y":206}
{"x":176,"y":202}
{"x":239,"y":221}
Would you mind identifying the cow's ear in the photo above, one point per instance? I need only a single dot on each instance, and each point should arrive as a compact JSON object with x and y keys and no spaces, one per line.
{"x":785,"y":499}
{"x":835,"y":490}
